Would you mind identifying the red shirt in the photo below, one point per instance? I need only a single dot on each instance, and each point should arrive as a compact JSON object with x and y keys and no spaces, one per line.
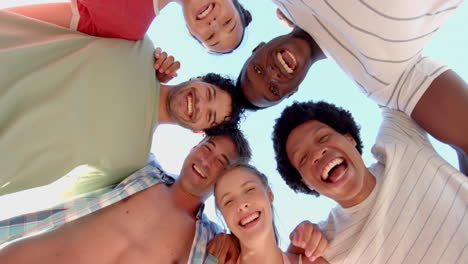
{"x":126,"y":19}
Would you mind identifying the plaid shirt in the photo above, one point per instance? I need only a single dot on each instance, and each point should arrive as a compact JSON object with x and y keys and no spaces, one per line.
{"x":42,"y":221}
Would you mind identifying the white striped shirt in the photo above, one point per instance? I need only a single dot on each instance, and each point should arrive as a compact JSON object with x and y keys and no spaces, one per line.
{"x":377,"y":43}
{"x":417,"y":213}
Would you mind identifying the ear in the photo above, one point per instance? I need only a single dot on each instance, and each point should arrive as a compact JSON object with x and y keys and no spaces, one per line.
{"x":258,"y":46}
{"x":270,"y":195}
{"x":350,"y":139}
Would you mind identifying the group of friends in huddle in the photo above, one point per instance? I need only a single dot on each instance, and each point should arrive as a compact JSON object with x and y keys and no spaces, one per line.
{"x":83,"y":89}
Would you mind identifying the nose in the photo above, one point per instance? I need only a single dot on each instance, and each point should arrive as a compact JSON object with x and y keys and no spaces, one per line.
{"x":319,"y":154}
{"x":273,"y":73}
{"x":243,"y":206}
{"x":213,"y":23}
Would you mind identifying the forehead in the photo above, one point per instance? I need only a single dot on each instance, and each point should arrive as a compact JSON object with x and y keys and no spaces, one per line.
{"x":297,"y":135}
{"x":235,"y":178}
{"x":223,"y":145}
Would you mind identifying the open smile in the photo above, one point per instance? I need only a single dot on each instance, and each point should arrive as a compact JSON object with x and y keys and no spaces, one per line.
{"x":205,"y":11}
{"x":189,"y":103}
{"x":287,"y":61}
{"x":250,"y":220}
{"x":334,"y":171}
{"x":198,"y":172}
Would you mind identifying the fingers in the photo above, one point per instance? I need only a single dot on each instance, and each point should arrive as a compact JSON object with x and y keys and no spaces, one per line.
{"x":165,"y":64}
{"x":312,"y":244}
{"x":232,"y":254}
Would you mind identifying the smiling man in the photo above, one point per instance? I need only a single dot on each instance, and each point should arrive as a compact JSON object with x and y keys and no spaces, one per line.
{"x":139,"y":221}
{"x":409,"y":207}
{"x":86,"y":107}
{"x":379,"y":45}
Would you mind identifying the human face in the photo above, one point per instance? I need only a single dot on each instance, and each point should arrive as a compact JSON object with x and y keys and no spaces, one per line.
{"x":275,"y":70}
{"x":216,"y":23}
{"x":206,"y":162}
{"x":198,"y":105}
{"x":328,"y":162}
{"x":245,"y":204}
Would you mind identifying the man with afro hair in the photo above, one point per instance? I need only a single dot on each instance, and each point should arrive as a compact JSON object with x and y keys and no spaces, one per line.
{"x":408,"y":207}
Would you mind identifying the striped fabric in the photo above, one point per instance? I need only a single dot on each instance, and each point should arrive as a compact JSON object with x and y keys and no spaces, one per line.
{"x":39,"y":222}
{"x":417,"y":212}
{"x":377,"y":43}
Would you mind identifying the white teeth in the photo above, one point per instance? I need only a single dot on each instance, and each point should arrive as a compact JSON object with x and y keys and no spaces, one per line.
{"x":283,"y":62}
{"x":189,"y":105}
{"x":329,"y":166}
{"x":205,"y":12}
{"x":199,"y":171}
{"x":249,"y":218}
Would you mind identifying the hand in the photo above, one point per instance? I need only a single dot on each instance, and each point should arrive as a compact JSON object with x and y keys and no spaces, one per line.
{"x":166,"y":68}
{"x":284,"y":19}
{"x":308,"y":237}
{"x":225,"y":248}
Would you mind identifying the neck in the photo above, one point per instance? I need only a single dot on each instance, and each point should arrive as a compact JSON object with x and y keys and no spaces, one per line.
{"x":368,"y":187}
{"x":163,"y":115}
{"x":184,"y":200}
{"x":264,"y":251}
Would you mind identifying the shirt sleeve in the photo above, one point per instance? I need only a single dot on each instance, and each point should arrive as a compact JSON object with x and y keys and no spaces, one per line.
{"x":126,"y":19}
{"x":411,"y":84}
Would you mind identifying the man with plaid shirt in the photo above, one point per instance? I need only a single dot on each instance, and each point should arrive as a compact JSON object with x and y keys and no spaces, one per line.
{"x":138,"y":221}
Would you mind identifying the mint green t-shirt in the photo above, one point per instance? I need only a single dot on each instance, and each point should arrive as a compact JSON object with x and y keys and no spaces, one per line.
{"x":72,"y":105}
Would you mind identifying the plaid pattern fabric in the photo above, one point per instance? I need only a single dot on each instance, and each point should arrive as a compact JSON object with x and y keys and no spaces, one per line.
{"x":42,"y":221}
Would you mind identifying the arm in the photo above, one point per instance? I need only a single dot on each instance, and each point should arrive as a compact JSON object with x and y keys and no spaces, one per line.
{"x":223,"y":248}
{"x":443,"y":112}
{"x":55,"y":13}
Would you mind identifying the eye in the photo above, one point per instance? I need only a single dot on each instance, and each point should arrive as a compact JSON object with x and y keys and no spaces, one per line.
{"x":303,"y":160}
{"x":227,"y":22}
{"x":323,"y":138}
{"x":210,"y":37}
{"x":250,"y":190}
{"x":207,"y":147}
{"x":274,"y":90}
{"x":257,"y":70}
{"x":228,"y":202}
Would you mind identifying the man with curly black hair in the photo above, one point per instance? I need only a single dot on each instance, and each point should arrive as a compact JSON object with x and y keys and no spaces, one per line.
{"x":406,"y":208}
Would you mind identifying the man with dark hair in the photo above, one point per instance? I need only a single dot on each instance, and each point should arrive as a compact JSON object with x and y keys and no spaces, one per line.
{"x":379,"y":46}
{"x":86,"y":107}
{"x":138,"y":221}
{"x":409,"y":207}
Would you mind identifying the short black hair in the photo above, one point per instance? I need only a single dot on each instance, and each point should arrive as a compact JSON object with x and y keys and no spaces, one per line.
{"x":241,"y":143}
{"x":226,"y":84}
{"x":296,"y":114}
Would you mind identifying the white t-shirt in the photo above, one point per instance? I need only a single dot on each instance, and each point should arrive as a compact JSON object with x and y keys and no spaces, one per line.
{"x":417,"y":213}
{"x":377,"y":43}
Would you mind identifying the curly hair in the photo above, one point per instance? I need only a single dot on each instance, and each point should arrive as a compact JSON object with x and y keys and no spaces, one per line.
{"x":241,"y":143}
{"x":237,"y":111}
{"x":292,"y":116}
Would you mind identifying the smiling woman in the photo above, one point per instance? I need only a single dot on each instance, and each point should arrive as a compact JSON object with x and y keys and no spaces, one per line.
{"x":245,"y":199}
{"x":217,"y":24}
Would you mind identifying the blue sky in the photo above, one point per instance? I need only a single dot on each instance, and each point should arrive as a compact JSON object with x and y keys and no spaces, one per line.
{"x":325,"y":81}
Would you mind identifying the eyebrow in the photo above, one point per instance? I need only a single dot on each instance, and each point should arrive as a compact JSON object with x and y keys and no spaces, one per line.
{"x":242,"y":185}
